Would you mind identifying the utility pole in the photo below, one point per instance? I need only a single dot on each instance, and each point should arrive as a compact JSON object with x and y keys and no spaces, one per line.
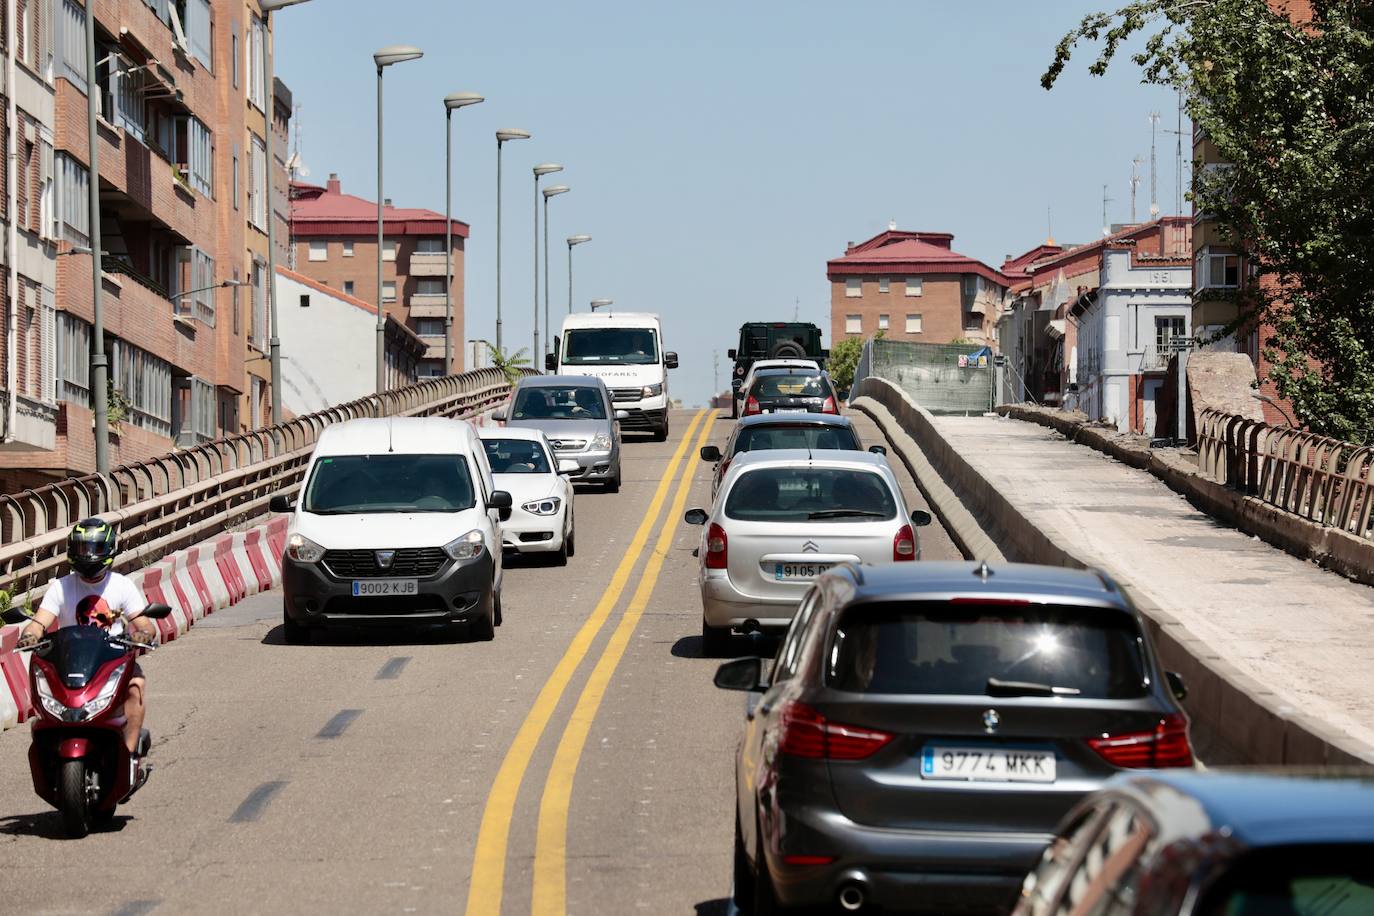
{"x":1135,"y":183}
{"x":1154,"y":167}
{"x":1178,"y":157}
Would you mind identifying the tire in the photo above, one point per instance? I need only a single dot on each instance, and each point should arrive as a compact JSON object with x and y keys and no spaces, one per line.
{"x":561,"y":557}
{"x":661,"y":434}
{"x":484,"y":629}
{"x":613,"y":485}
{"x":496,"y":613}
{"x":743,"y":883}
{"x":571,"y":541}
{"x":764,"y":902}
{"x":714,"y":640}
{"x":295,"y":634}
{"x":71,"y":799}
{"x":785,"y":349}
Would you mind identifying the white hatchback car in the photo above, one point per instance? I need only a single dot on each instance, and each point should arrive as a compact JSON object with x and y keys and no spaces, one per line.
{"x":780,"y":519}
{"x":523,"y":464}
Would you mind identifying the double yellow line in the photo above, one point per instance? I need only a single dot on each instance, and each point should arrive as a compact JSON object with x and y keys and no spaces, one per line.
{"x":489,"y":860}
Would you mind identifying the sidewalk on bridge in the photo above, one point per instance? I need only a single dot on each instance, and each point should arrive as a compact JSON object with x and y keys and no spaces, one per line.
{"x":1304,"y":634}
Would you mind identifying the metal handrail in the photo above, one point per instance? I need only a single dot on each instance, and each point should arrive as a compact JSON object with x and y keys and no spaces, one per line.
{"x":175,"y":500}
{"x":1320,"y":479}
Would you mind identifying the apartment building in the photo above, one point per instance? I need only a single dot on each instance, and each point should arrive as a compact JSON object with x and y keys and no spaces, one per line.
{"x":913,"y":286}
{"x":183,"y":106}
{"x":335,"y":239}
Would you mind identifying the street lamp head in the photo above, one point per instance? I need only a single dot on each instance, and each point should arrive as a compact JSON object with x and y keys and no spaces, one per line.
{"x":547,"y":168}
{"x":462,"y":100}
{"x":511,"y":133}
{"x":228,"y":283}
{"x":271,"y":6}
{"x":396,"y":54}
{"x":556,"y":190}
{"x":578,"y":239}
{"x":600,"y":303}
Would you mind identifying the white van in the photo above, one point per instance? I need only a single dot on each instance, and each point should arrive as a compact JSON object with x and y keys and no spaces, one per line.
{"x":398,"y":521}
{"x":624,"y":350}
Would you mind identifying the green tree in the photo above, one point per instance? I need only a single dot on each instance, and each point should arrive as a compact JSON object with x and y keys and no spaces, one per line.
{"x":1290,"y":107}
{"x":843,"y":360}
{"x":509,"y":363}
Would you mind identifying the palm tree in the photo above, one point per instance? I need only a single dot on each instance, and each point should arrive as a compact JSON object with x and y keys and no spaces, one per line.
{"x":509,"y":363}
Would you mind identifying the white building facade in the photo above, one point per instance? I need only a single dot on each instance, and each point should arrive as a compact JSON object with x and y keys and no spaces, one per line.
{"x":1128,"y":329}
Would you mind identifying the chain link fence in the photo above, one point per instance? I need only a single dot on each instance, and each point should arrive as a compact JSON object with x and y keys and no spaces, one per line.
{"x":942,"y":378}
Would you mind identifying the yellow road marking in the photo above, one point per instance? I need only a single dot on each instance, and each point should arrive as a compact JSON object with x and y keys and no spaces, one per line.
{"x":551,"y":845}
{"x":489,"y":858}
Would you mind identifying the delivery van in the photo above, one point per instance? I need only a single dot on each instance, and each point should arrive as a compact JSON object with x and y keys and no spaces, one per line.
{"x":624,"y":350}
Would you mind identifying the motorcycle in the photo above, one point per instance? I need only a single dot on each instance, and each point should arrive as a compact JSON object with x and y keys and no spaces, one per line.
{"x":79,"y":679}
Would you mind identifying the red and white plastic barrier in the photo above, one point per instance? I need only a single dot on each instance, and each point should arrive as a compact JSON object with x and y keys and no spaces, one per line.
{"x":194,"y":582}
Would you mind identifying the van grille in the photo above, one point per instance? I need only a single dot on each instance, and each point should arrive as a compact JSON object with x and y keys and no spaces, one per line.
{"x":626,"y":394}
{"x":415,"y":562}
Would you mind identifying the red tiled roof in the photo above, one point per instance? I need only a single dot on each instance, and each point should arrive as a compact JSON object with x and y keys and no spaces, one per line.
{"x":1018,"y":266}
{"x":319,"y":210}
{"x":914,"y":252}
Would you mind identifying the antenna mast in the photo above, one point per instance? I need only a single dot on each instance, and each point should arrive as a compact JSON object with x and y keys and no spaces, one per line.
{"x":1106,"y":226}
{"x":1154,"y":167}
{"x":1135,"y":183}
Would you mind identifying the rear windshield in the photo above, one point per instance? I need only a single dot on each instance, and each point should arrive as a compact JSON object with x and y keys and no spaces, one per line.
{"x":771,"y":436}
{"x":549,"y":402}
{"x":810,"y":494}
{"x":346,"y":484}
{"x":516,"y":456}
{"x":946,"y":649}
{"x":610,"y":346}
{"x":789,"y":386}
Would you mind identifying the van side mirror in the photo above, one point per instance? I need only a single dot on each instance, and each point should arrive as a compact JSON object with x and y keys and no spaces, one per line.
{"x":920,"y":518}
{"x":710,"y":453}
{"x":281,"y":503}
{"x":1176,"y":685}
{"x":878,"y":449}
{"x":670,"y":360}
{"x":499,"y":415}
{"x":695,"y":516}
{"x":742,"y":674}
{"x":156,"y":611}
{"x":550,"y":362}
{"x":568,"y":466}
{"x":730,"y":354}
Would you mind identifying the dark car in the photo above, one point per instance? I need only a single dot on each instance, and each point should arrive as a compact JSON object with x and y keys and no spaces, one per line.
{"x":1213,"y":844}
{"x":790,"y":391}
{"x":925,"y":727}
{"x":774,"y":340}
{"x":815,"y":431}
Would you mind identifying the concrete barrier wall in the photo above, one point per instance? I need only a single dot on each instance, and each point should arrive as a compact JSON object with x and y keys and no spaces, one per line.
{"x":1236,"y":719}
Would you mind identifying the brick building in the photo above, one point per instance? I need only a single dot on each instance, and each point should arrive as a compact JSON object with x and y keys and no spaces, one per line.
{"x":182,"y":109}
{"x":335,"y":239}
{"x":913,"y":286}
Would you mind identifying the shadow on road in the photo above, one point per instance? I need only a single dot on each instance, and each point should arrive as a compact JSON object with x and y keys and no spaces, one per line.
{"x":720,"y":907}
{"x":376,"y":636}
{"x":740,"y":646}
{"x":48,"y":825}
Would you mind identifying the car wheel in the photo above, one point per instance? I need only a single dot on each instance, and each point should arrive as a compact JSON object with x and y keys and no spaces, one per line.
{"x":295,"y":634}
{"x":764,"y":902}
{"x":561,"y":557}
{"x":743,"y":890}
{"x":496,"y":609}
{"x":483,"y":629}
{"x":714,"y":640}
{"x":661,"y":434}
{"x":570,"y":542}
{"x":613,"y":485}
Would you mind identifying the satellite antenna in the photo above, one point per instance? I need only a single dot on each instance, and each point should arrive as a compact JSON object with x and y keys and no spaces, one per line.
{"x":1154,"y":167}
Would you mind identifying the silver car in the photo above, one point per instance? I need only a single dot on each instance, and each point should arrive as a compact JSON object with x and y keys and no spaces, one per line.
{"x":781,"y":518}
{"x":577,"y":415}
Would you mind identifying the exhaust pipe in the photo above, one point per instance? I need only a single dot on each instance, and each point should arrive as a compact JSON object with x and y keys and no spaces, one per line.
{"x":750,"y":626}
{"x":852,"y":897}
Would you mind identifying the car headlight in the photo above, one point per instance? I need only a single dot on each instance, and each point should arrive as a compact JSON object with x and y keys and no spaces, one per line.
{"x":547,"y":506}
{"x":303,"y":550}
{"x":45,"y":696}
{"x":466,"y":546}
{"x":602,"y":443}
{"x":651,"y":391}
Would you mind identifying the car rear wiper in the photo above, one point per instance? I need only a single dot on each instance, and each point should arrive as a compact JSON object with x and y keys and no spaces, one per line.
{"x":845,"y":513}
{"x":996,"y":687}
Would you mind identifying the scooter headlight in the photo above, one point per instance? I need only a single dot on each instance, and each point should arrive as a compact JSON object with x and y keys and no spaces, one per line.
{"x":45,"y":697}
{"x":102,"y":699}
{"x":547,"y":506}
{"x":465,"y":547}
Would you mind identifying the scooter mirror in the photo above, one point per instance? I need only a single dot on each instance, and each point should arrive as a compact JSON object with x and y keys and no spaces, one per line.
{"x":156,"y":611}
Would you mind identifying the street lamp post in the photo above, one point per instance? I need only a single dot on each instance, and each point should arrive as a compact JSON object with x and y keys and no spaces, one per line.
{"x":601,"y":303}
{"x":573,"y":240}
{"x":392,"y":54}
{"x":100,"y":378}
{"x":548,"y":193}
{"x":547,"y":168}
{"x":451,"y":102}
{"x":274,"y":341}
{"x":502,"y":136}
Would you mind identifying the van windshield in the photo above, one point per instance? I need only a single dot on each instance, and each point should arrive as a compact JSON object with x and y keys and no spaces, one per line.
{"x":610,"y":346}
{"x":364,"y":484}
{"x":553,"y":402}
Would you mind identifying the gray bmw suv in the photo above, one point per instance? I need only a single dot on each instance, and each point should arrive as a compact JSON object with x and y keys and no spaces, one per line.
{"x":924,"y":728}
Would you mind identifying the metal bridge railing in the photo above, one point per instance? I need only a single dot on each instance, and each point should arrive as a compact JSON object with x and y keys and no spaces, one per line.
{"x":942,"y":378}
{"x":178,"y":499}
{"x":1323,"y":480}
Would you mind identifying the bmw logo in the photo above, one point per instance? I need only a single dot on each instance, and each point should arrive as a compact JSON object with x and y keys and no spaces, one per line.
{"x":991,"y":720}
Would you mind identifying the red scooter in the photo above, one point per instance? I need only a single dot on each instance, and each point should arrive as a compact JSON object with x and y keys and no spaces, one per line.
{"x":78,"y":679}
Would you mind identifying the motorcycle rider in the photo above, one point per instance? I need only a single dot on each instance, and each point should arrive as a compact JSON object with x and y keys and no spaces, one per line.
{"x":92,"y":594}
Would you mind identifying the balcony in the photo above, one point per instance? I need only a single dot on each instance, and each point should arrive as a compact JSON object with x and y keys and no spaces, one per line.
{"x":427,"y":264}
{"x":426,"y":306}
{"x":35,"y":425}
{"x":434,"y":348}
{"x":1156,"y":359}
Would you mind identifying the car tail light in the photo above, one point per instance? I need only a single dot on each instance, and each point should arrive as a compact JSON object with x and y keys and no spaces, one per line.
{"x":807,"y":733}
{"x":807,"y":860}
{"x":1166,"y":745}
{"x":717,"y":547}
{"x":751,"y":406}
{"x":904,"y":544}
{"x":829,"y":406}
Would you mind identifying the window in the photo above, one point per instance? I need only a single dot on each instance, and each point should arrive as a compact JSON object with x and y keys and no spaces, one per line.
{"x":73,"y":359}
{"x":348,"y":248}
{"x":790,"y":654}
{"x":257,"y":186}
{"x":198,"y":32}
{"x":429,"y":246}
{"x":388,"y":249}
{"x":352,"y":484}
{"x":429,"y":327}
{"x":72,"y":44}
{"x":305,"y":300}
{"x":884,"y":284}
{"x":853,"y":287}
{"x":234,"y":51}
{"x":882,"y":322}
{"x":429,"y":286}
{"x":973,"y":321}
{"x":915,"y":286}
{"x":348,"y":287}
{"x":319,"y":250}
{"x":970,"y":285}
{"x":913,"y":324}
{"x":146,"y":381}
{"x":257,"y":42}
{"x":1171,"y":333}
{"x":200,"y":154}
{"x":73,"y":189}
{"x":197,"y":277}
{"x":257,"y":333}
{"x":234,"y":293}
{"x":1217,"y":271}
{"x":853,"y":324}
{"x":389,"y":290}
{"x":255,"y":391}
{"x":122,"y":90}
{"x":799,"y":494}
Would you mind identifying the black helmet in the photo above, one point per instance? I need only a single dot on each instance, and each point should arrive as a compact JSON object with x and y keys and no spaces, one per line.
{"x":91,"y":547}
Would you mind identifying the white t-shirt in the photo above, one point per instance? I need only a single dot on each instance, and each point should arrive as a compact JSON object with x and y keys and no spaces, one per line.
{"x":76,"y":601}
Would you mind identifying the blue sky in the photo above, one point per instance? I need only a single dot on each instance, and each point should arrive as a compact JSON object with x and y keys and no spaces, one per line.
{"x":720,"y":152}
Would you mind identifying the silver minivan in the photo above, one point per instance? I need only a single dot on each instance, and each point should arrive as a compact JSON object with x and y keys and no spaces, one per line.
{"x":577,"y":415}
